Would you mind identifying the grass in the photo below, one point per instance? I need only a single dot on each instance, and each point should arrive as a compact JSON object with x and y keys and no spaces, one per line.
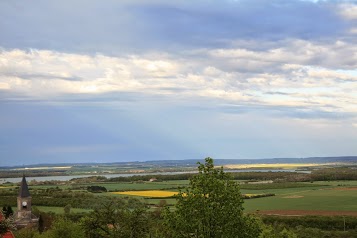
{"x":326,"y":199}
{"x":174,"y":182}
{"x":336,"y":183}
{"x":136,"y":186}
{"x":148,"y":193}
{"x":321,"y":195}
{"x":122,"y":186}
{"x":285,"y":185}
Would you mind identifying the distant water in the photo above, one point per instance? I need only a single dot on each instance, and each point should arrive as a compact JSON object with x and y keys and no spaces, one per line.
{"x":69,"y":177}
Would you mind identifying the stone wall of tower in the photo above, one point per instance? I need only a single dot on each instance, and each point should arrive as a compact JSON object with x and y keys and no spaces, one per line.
{"x":24,"y":211}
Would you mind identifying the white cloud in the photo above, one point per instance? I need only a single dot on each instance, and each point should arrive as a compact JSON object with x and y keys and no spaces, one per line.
{"x":303,"y":74}
{"x":338,"y":54}
{"x":353,"y":30}
{"x":348,"y":11}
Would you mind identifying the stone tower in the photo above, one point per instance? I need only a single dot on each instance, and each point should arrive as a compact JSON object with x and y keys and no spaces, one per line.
{"x":23,"y":216}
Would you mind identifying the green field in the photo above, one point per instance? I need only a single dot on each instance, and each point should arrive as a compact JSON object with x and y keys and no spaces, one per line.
{"x":323,"y":199}
{"x":138,"y":186}
{"x":122,"y":186}
{"x":289,"y":196}
{"x":316,"y":196}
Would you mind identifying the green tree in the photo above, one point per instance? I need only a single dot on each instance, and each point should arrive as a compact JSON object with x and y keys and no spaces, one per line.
{"x":211,"y":207}
{"x":67,"y":209}
{"x":7,"y":211}
{"x":64,"y":228}
{"x":270,"y":232}
{"x":6,"y":224}
{"x":117,"y":220}
{"x":26,"y":233}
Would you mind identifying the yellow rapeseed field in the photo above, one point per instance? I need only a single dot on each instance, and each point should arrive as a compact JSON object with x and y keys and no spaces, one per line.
{"x":7,"y":187}
{"x":148,"y":193}
{"x":250,"y":194}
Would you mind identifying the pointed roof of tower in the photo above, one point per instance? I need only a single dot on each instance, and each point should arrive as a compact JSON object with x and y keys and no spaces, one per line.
{"x":24,"y":189}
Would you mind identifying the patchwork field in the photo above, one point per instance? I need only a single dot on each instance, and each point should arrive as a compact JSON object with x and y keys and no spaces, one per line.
{"x":291,"y":198}
{"x":148,"y":193}
{"x":334,"y":196}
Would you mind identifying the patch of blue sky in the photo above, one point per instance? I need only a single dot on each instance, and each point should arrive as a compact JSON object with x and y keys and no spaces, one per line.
{"x":348,"y":72}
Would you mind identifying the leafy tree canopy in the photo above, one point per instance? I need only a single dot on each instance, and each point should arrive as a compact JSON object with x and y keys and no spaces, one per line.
{"x":211,"y":207}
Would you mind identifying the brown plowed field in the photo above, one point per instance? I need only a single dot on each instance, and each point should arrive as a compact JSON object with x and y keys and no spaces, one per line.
{"x":308,"y":213}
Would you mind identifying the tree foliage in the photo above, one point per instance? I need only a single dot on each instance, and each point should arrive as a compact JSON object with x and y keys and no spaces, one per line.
{"x":7,"y":211}
{"x":270,"y":232}
{"x":96,"y":189}
{"x":65,"y":228}
{"x":61,"y":227}
{"x":6,"y":224}
{"x":211,"y":207}
{"x":113,"y":220}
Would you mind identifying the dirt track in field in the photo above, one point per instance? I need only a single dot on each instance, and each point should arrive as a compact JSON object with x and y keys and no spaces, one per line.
{"x":346,"y":188}
{"x":308,"y":213}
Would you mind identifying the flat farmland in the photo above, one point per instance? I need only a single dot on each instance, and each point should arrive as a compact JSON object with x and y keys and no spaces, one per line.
{"x":317,"y":196}
{"x":120,"y":186}
{"x":333,"y":199}
{"x":148,"y":193}
{"x":291,"y":198}
{"x":138,"y":186}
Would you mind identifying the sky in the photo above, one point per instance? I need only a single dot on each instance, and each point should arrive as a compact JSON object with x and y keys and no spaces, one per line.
{"x":135,"y":80}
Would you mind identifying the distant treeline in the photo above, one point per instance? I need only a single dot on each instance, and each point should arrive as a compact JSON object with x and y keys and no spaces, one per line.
{"x":60,"y":198}
{"x":331,"y":174}
{"x":159,"y":177}
{"x":328,"y":174}
{"x":290,"y":176}
{"x":320,"y":222}
{"x":32,"y":173}
{"x":315,"y":226}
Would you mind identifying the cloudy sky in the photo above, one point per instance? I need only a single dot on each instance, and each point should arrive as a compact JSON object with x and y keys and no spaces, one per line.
{"x":104,"y":81}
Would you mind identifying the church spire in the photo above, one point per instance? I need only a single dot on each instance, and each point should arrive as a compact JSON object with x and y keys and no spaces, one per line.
{"x":24,"y":190}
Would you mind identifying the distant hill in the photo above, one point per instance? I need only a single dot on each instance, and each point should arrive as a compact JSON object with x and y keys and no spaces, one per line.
{"x":193,"y":163}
